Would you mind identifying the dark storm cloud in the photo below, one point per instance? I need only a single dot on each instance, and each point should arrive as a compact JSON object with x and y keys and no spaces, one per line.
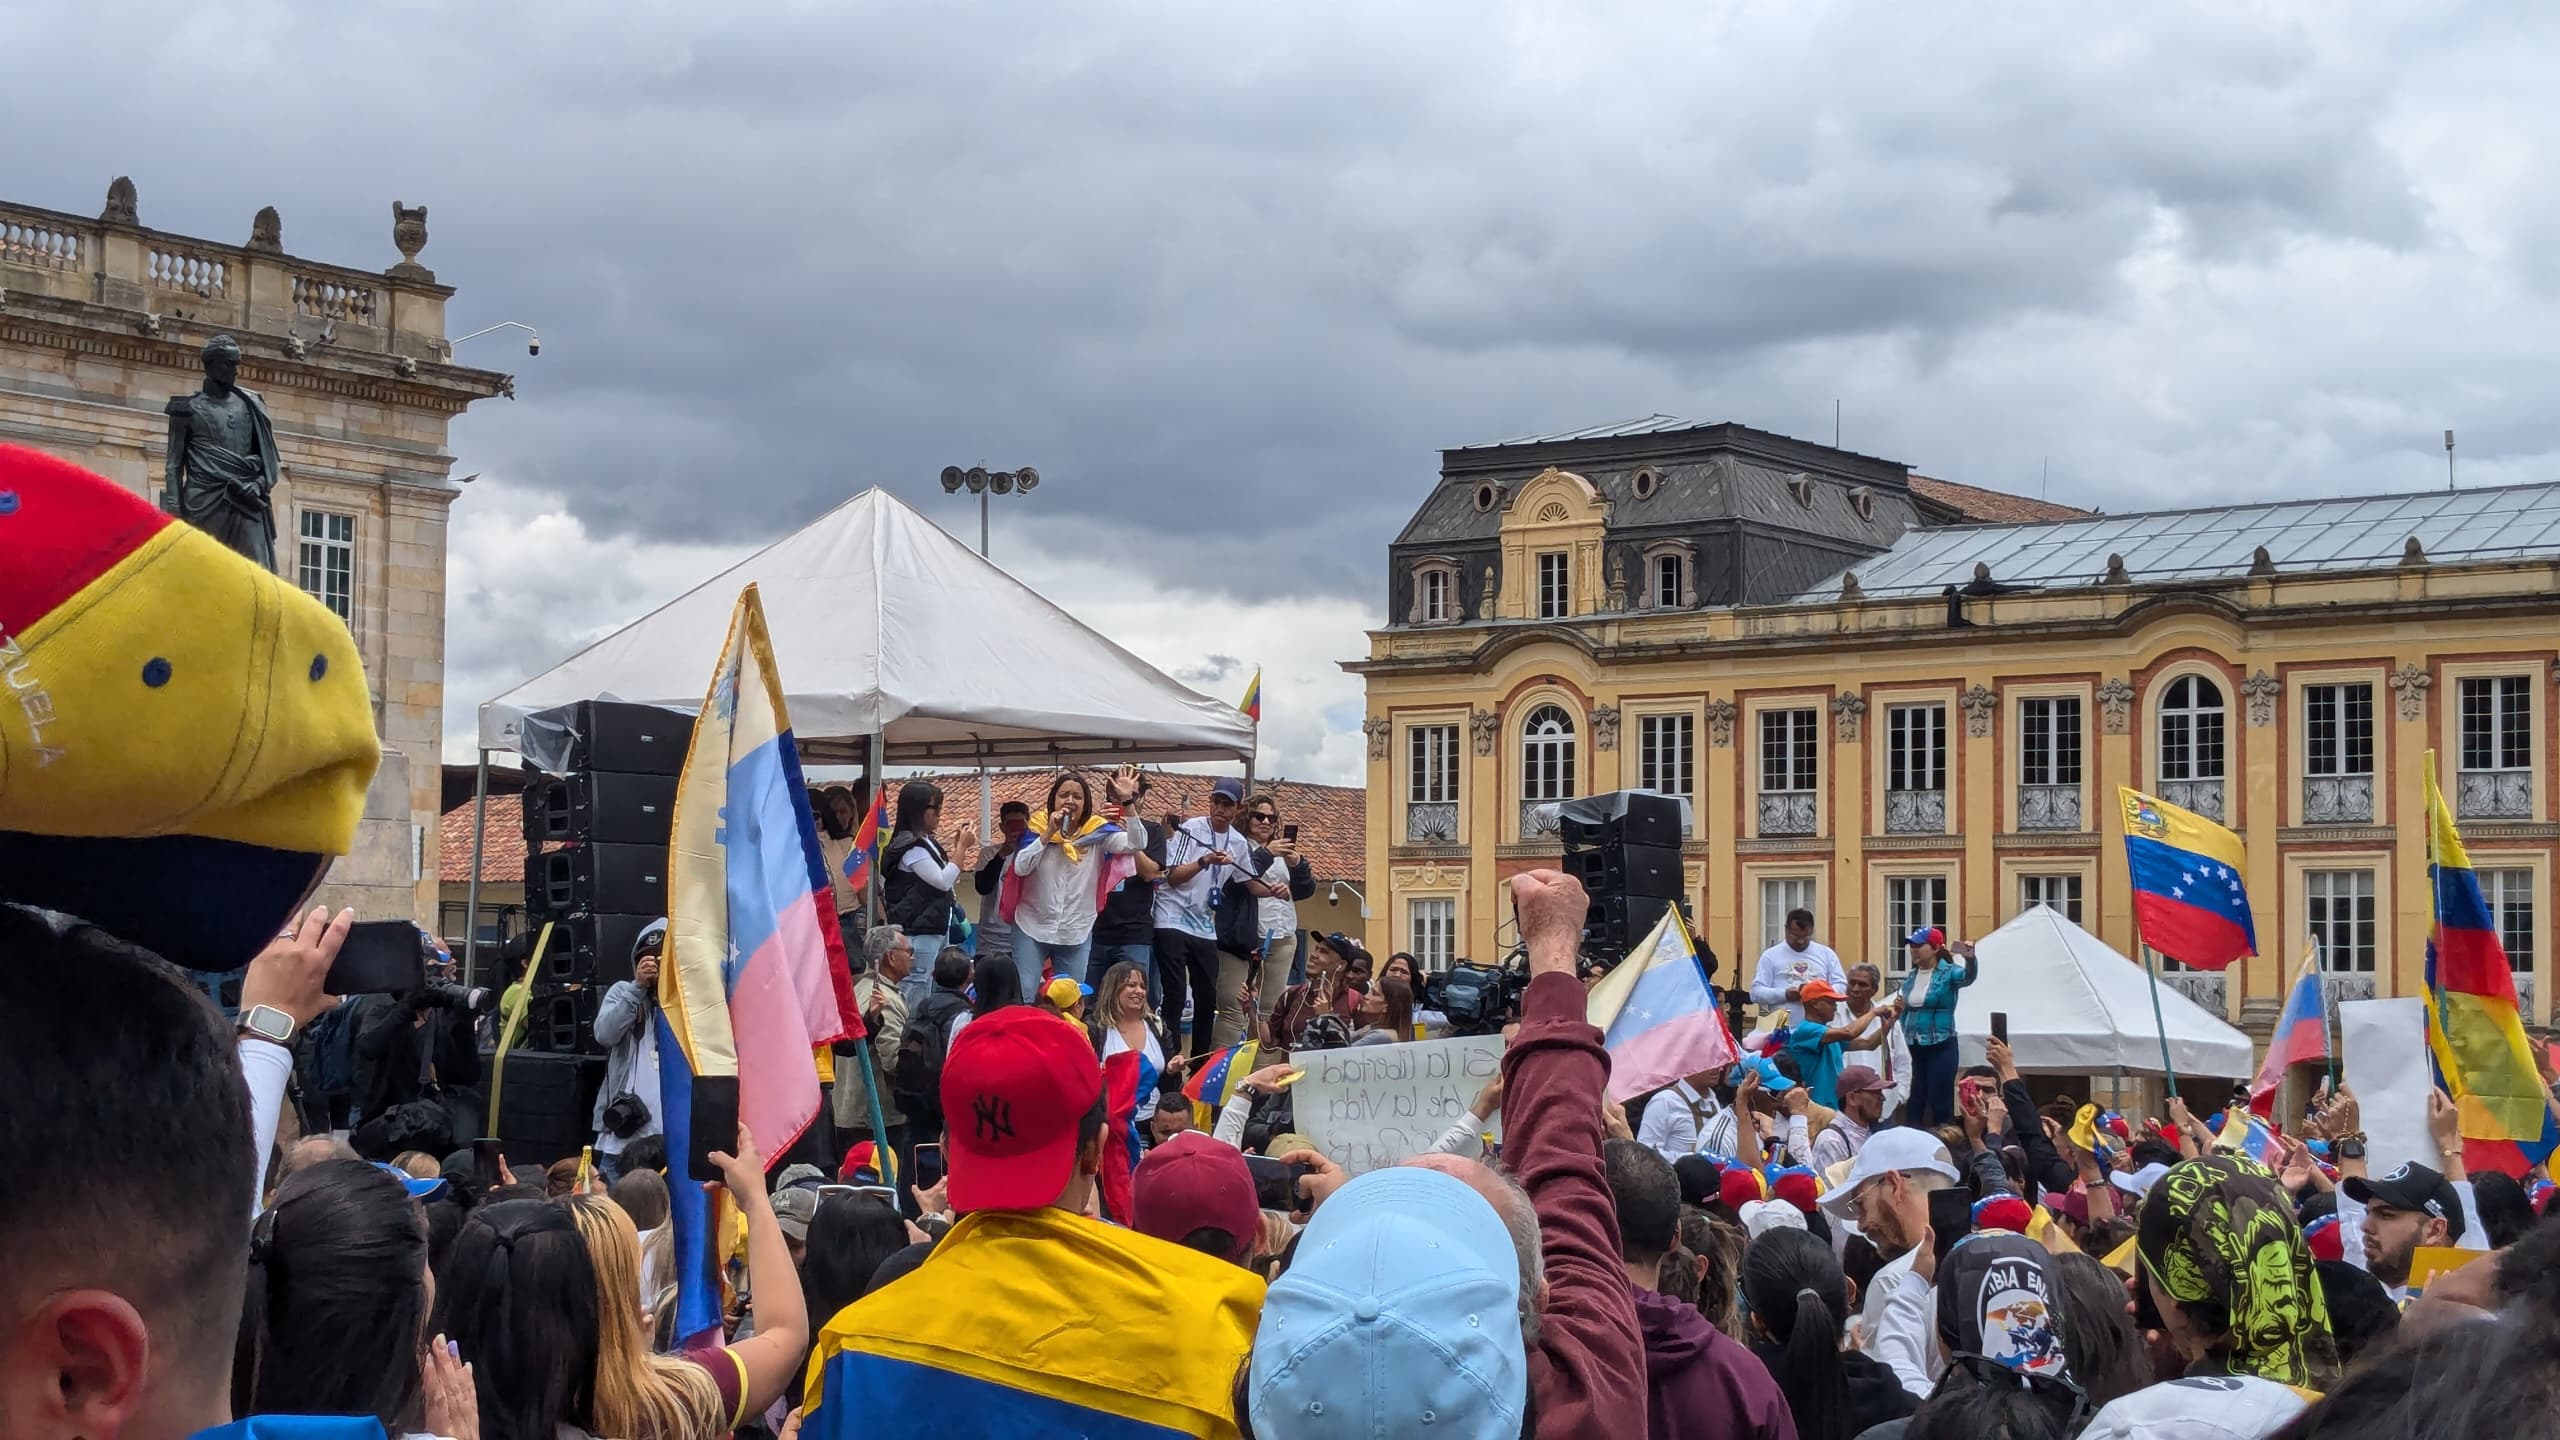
{"x":1231,"y":275}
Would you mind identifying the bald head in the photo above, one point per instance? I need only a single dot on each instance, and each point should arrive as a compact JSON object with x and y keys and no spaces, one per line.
{"x":1519,"y":1216}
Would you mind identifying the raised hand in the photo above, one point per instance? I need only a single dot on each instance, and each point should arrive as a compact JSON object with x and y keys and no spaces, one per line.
{"x":1552,"y":907}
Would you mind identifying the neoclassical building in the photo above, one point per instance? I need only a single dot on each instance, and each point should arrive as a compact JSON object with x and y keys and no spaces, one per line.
{"x":1894,"y":701}
{"x":102,"y":319}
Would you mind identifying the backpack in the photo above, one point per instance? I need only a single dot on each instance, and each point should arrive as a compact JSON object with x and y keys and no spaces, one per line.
{"x":917,"y":1078}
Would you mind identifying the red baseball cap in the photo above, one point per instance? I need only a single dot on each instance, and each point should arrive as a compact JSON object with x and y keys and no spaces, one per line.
{"x":1194,"y":1182}
{"x":1017,"y":1085}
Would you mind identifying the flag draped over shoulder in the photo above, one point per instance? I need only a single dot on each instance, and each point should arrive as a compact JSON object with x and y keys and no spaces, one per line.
{"x":2189,"y":895}
{"x":2473,"y":1023}
{"x":1063,"y":1334}
{"x":2301,"y":1034}
{"x":755,"y":974}
{"x":1656,"y":1015}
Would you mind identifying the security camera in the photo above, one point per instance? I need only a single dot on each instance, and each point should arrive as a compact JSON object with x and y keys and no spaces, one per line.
{"x":533,"y":346}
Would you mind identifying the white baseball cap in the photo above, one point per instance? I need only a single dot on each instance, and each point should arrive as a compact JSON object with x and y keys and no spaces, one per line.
{"x":1901,"y":1148}
{"x":2138,"y":1183}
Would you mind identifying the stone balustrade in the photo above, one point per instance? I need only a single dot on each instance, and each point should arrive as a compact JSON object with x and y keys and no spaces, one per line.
{"x":250,"y":289}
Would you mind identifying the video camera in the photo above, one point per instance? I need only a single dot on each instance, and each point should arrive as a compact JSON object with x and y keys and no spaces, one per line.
{"x":1479,"y":999}
{"x":471,"y":1000}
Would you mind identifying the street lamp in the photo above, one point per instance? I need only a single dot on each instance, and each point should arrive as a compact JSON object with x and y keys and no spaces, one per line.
{"x":532,"y":346}
{"x":982,"y":482}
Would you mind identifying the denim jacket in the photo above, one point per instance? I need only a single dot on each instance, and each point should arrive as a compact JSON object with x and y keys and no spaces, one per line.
{"x":1933,"y":1021}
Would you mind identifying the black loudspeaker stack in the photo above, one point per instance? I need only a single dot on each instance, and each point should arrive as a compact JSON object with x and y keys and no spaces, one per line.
{"x":1625,"y":849}
{"x":596,"y":862}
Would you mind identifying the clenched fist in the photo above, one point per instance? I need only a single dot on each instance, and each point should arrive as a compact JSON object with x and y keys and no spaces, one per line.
{"x":1552,"y":907}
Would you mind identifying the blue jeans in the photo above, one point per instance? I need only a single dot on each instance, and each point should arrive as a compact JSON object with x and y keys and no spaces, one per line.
{"x":919,"y":981}
{"x":1142,"y":955}
{"x":1067,"y":960}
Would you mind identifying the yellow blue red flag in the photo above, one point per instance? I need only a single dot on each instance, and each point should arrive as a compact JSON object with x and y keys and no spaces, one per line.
{"x":1252,"y":703}
{"x":756,"y":974}
{"x":2473,"y":1022}
{"x":2190,"y":897}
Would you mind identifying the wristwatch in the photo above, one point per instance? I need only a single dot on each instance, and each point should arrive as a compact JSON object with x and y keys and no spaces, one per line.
{"x":266,"y":1022}
{"x":2352,"y":1149}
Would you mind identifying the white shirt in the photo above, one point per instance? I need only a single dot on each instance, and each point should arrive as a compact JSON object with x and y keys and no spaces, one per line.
{"x":1059,"y":895}
{"x":919,"y":861}
{"x":2199,"y":1407}
{"x":1893,"y":1060}
{"x":1278,"y":913}
{"x":1187,"y":907}
{"x":1113,"y":1043}
{"x":1783,"y":968}
{"x":1673,"y":1119}
{"x":268,"y":1069}
{"x":1879,"y":1289}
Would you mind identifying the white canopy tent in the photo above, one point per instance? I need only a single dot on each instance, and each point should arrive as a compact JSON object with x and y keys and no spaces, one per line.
{"x":2076,"y":1006}
{"x":898,"y":645}
{"x":884,"y":625}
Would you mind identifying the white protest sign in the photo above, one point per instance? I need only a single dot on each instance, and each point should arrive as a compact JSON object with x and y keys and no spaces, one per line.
{"x":2385,"y":1063}
{"x":1369,"y":1106}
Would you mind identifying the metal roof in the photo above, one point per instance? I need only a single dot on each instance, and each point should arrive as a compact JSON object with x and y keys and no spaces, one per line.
{"x":2510,"y":522}
{"x":1618,"y":430}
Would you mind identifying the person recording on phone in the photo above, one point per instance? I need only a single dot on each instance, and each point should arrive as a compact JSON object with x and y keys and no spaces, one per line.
{"x":627,"y":1024}
{"x":421,"y":1043}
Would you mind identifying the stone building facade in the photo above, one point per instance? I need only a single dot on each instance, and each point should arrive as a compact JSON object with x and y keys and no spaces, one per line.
{"x":102,"y":320}
{"x":1891,"y":717}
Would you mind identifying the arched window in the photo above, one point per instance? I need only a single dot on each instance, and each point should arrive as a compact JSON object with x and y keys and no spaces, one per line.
{"x":2191,"y":748}
{"x":1546,"y":755}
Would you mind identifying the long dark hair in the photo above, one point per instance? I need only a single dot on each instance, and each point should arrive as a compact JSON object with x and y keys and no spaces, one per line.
{"x":518,"y":1296}
{"x":1798,"y":1295}
{"x":1065,"y":779}
{"x":998,"y":984}
{"x":336,"y":1304}
{"x":2098,"y":1337}
{"x":1399,"y":1007}
{"x":836,"y":829}
{"x":848,"y":1239}
{"x":914,"y":799}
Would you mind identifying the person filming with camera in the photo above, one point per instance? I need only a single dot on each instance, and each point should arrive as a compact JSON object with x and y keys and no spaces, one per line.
{"x":419,"y":1045}
{"x":627,"y":1025}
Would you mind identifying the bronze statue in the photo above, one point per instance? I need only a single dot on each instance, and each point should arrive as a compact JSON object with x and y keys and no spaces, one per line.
{"x":222,"y":458}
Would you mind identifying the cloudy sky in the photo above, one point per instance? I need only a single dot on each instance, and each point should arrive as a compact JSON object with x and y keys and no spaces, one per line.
{"x":1230,"y":275}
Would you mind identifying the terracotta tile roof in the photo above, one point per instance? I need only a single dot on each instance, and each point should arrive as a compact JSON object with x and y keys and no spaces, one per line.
{"x":1332,"y":820}
{"x":1993,"y":507}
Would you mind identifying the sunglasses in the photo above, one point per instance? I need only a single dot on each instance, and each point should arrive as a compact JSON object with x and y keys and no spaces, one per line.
{"x":1262,"y":817}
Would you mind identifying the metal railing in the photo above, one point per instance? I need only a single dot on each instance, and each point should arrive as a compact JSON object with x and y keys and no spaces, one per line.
{"x":1433,"y":823}
{"x":1915,"y":812}
{"x":2493,"y":794}
{"x":2337,"y":799}
{"x":2204,"y":797}
{"x":1790,"y":812}
{"x":2049,"y":807}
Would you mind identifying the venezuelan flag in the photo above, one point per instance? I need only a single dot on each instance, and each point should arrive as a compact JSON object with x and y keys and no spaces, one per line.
{"x":1214,"y":1080}
{"x":2473,"y":1022}
{"x":1252,"y":702}
{"x":756,"y":974}
{"x":2189,"y":895}
{"x":1063,"y":1334}
{"x":866,"y":841}
{"x":1656,"y":1016}
{"x":2301,"y":1034}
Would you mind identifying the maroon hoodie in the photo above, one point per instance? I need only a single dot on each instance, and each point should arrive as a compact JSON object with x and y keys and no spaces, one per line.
{"x":1587,"y":1376}
{"x":1700,"y":1383}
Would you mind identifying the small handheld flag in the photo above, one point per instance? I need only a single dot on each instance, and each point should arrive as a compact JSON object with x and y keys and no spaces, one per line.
{"x":2301,"y":1034}
{"x":1252,"y":702}
{"x":1214,"y":1080}
{"x":866,"y":842}
{"x":1656,"y":1015}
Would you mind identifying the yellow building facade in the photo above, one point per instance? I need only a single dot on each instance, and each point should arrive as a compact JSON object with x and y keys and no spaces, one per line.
{"x":1888,"y":747}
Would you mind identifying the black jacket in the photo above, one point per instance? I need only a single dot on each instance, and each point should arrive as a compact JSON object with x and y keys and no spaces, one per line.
{"x":388,"y":1050}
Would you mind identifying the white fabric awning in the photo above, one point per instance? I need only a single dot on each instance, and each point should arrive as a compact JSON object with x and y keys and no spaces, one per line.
{"x":2076,"y":1006}
{"x":883,"y":622}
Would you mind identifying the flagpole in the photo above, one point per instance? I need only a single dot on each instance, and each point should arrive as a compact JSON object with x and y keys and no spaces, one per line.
{"x":2320,"y":968}
{"x":2150,"y":967}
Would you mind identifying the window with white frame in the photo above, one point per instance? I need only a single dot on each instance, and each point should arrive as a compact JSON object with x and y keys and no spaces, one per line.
{"x":1666,"y":581}
{"x":2337,"y":729}
{"x":1911,"y":902}
{"x":1432,"y":779}
{"x":1555,"y":585}
{"x":1664,"y":750}
{"x":1434,"y":927}
{"x":2497,"y":722}
{"x":2339,"y":908}
{"x":1915,"y":747}
{"x":2510,"y":897}
{"x":1436,"y":601}
{"x":2062,"y":892}
{"x":1790,"y":758}
{"x":327,"y":561}
{"x":1547,"y":755}
{"x":1780,"y":894}
{"x":2049,"y":740}
{"x":2191,"y":729}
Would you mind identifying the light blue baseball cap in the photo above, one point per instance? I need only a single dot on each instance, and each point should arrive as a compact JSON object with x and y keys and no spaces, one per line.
{"x":1399,"y":1316}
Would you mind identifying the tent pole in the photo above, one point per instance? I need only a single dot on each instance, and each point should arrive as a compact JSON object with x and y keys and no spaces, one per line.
{"x":471,"y":903}
{"x":872,"y":755}
{"x":986,"y":798}
{"x":2115,"y":1094}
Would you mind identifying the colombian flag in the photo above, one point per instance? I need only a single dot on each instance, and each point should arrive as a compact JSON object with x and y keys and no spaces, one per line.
{"x":2472,"y":1020}
{"x":2301,"y":1034}
{"x":756,"y":974}
{"x":1063,"y":1334}
{"x":1252,"y":703}
{"x":2189,"y":897}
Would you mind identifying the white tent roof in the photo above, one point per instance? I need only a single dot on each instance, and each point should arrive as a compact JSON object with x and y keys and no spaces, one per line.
{"x":883,"y":622}
{"x":2078,"y":1007}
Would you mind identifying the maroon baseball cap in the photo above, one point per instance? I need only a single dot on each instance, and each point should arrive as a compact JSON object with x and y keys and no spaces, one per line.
{"x":1016,"y":1087}
{"x":1856,"y":1078}
{"x":1194,"y":1182}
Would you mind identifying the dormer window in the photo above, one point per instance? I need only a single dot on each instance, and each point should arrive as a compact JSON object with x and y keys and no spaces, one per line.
{"x":1670,"y":576}
{"x":1800,"y":485}
{"x":1435,"y":593}
{"x":1863,"y":500}
{"x":1646,"y":480}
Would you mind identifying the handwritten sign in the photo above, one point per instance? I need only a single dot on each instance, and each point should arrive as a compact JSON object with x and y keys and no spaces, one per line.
{"x":1369,"y":1106}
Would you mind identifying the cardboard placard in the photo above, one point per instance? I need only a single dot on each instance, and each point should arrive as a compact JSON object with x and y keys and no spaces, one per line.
{"x":1367,"y":1106}
{"x":2385,"y":1053}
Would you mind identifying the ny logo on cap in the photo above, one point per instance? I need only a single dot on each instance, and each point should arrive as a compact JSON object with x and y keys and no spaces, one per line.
{"x":995,"y":1118}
